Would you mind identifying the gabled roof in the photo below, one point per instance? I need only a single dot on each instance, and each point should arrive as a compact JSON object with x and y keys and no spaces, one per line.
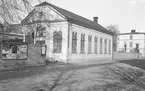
{"x":77,"y":19}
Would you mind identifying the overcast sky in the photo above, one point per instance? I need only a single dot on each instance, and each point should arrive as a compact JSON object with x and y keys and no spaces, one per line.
{"x":127,"y":14}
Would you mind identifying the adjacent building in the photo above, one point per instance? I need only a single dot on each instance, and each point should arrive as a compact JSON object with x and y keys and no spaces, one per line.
{"x":68,"y":37}
{"x":133,"y":42}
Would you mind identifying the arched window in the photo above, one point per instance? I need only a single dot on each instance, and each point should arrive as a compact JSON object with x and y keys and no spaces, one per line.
{"x":74,"y":42}
{"x":89,"y":44}
{"x":109,"y":47}
{"x":105,"y":46}
{"x":57,"y":42}
{"x":96,"y":45}
{"x":82,"y":43}
{"x":101,"y":43}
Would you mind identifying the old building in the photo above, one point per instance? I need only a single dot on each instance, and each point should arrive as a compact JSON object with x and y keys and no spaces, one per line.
{"x":68,"y":36}
{"x":133,"y":42}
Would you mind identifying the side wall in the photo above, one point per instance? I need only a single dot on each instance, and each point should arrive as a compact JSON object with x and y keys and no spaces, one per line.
{"x":79,"y":57}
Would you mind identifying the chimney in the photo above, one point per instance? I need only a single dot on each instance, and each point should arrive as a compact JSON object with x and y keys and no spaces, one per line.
{"x":95,"y":19}
{"x":133,"y":31}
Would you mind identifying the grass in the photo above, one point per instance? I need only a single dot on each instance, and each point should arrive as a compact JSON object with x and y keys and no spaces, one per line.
{"x":140,"y":63}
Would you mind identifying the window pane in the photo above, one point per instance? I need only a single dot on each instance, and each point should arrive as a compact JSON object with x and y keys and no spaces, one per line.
{"x":57,"y":42}
{"x":74,"y":42}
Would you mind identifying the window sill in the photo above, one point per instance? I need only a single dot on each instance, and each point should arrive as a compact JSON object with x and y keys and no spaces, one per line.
{"x":40,"y":36}
{"x":82,"y":53}
{"x":89,"y":53}
{"x":56,"y":52}
{"x":74,"y":53}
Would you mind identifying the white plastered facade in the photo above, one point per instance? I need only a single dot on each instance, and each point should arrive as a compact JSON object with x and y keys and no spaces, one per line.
{"x":67,"y":28}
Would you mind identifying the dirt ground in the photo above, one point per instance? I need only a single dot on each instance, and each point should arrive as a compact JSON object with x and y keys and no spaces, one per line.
{"x":60,"y":78}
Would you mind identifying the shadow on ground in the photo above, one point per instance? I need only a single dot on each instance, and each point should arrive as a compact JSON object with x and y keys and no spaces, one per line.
{"x":45,"y":69}
{"x":140,"y":63}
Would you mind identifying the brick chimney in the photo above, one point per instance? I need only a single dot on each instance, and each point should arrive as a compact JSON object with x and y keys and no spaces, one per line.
{"x":95,"y":19}
{"x":133,"y":31}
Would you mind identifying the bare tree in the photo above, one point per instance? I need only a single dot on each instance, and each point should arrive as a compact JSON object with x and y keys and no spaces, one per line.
{"x":13,"y":11}
{"x":115,"y":30}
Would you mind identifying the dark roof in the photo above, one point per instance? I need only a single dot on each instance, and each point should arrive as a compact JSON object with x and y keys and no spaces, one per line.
{"x":11,"y":34}
{"x":15,"y":28}
{"x":132,"y":33}
{"x":77,"y":19}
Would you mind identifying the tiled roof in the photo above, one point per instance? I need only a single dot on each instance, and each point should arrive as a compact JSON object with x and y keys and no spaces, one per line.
{"x":77,"y":19}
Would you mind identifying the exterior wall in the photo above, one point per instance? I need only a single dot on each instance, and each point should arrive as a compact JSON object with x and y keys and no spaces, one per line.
{"x":126,"y":55}
{"x":79,"y":57}
{"x":44,"y":15}
{"x":63,"y":27}
{"x":54,"y":21}
{"x":137,"y":38}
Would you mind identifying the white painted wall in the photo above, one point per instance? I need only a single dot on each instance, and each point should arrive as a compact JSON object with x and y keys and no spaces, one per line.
{"x":137,"y":38}
{"x":78,"y":57}
{"x":66,"y":55}
{"x":61,"y":26}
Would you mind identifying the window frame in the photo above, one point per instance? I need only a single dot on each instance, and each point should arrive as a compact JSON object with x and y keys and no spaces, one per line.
{"x":95,"y":45}
{"x":105,"y":46}
{"x":109,"y":47}
{"x":82,"y":44}
{"x":74,"y":42}
{"x":101,"y":45}
{"x":90,"y":44}
{"x":131,"y":44}
{"x":57,"y":42}
{"x":40,"y":31}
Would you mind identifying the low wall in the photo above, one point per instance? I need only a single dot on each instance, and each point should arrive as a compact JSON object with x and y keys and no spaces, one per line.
{"x":34,"y":59}
{"x":123,"y":55}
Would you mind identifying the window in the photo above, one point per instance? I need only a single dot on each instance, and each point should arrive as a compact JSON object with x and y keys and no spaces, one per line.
{"x":95,"y":45}
{"x":57,"y":42}
{"x":101,"y":45}
{"x":89,"y":44}
{"x":125,"y":47}
{"x":105,"y":46}
{"x":14,"y":49}
{"x":130,"y":44}
{"x":82,"y":43}
{"x":74,"y":42}
{"x":109,"y":46}
{"x":40,"y":31}
{"x":131,"y":37}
